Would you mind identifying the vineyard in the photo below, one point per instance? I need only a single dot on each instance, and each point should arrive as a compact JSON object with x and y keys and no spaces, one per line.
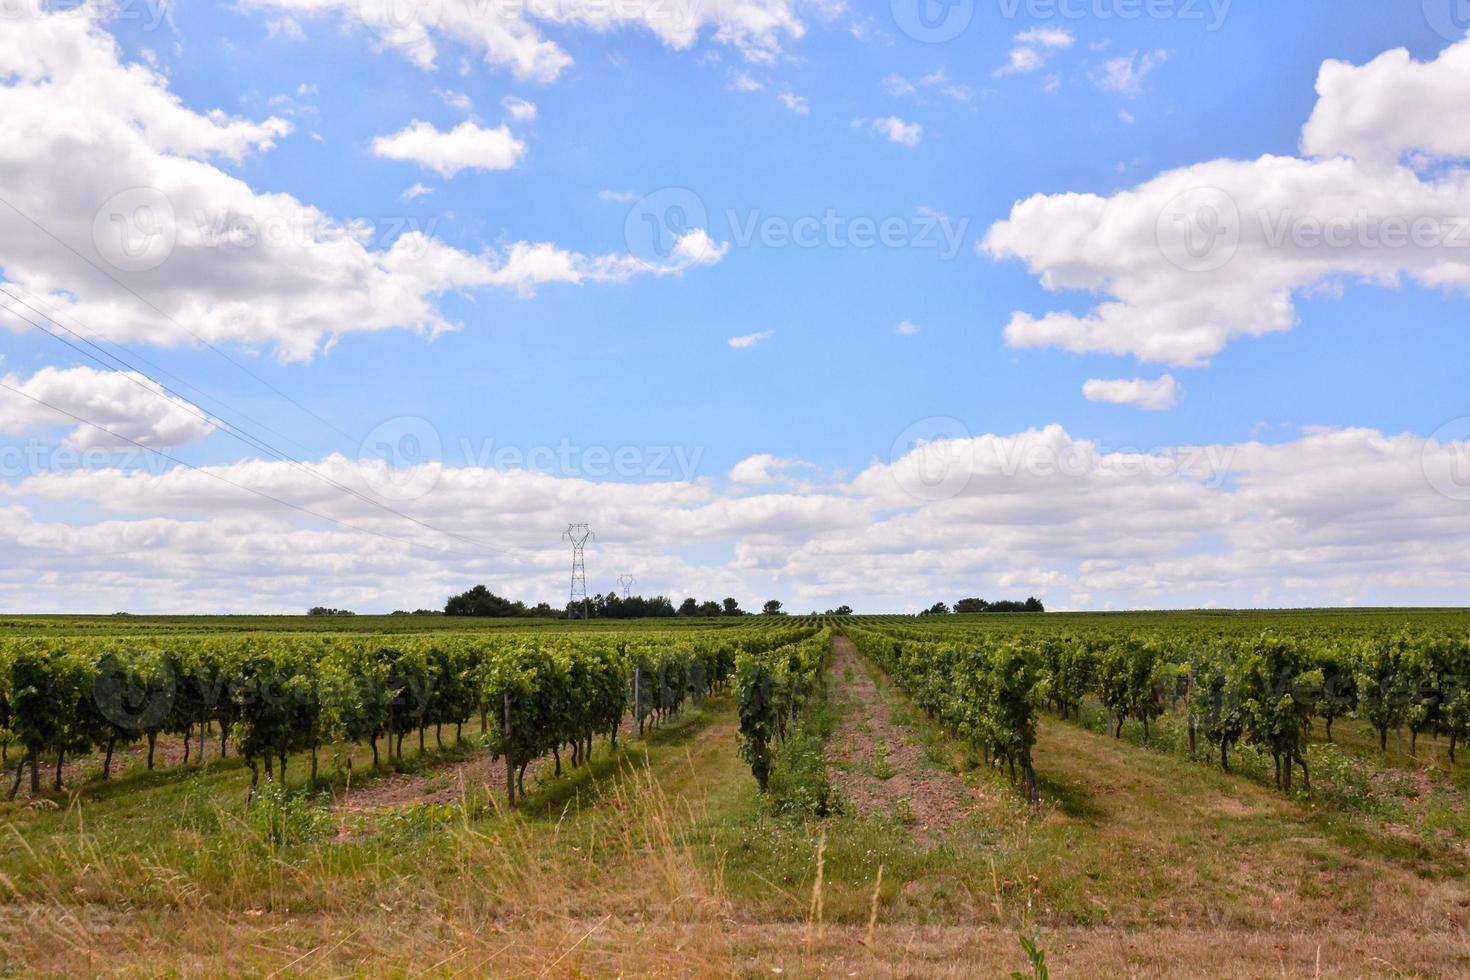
{"x":1291,"y":778}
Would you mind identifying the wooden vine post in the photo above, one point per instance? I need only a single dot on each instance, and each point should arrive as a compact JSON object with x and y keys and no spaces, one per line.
{"x":510,"y":768}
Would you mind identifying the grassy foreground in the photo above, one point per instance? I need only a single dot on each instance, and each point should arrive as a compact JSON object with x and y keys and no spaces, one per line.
{"x":663,"y":859}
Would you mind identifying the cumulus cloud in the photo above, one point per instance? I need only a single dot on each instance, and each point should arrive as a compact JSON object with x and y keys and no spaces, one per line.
{"x":465,"y":147}
{"x":510,"y":36}
{"x":1330,"y":516}
{"x":148,"y":205}
{"x":1203,"y":254}
{"x":125,"y":408}
{"x":906,"y":329}
{"x":1157,"y":395}
{"x":1392,"y":106}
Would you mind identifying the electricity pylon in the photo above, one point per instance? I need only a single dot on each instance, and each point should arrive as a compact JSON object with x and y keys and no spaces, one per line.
{"x":578,"y":534}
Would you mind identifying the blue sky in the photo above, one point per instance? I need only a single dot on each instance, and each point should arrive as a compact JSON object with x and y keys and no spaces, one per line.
{"x":853,"y":120}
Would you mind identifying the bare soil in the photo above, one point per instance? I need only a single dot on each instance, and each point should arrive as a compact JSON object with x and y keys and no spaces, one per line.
{"x":878,"y":764}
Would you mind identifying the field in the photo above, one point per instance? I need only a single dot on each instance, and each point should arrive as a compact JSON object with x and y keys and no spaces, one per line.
{"x":359,"y":819}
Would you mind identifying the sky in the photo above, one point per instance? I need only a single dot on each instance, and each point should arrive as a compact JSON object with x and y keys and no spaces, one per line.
{"x":358,"y":303}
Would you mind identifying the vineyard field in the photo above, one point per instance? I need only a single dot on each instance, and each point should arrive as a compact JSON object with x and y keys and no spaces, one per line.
{"x":1212,"y":794}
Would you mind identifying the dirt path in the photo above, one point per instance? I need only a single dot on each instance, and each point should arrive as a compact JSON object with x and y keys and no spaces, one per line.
{"x":878,"y":764}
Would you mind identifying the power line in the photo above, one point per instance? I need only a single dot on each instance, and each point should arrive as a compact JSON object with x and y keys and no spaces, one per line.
{"x":239,"y":486}
{"x":230,"y":428}
{"x":153,"y":306}
{"x":626,"y":581}
{"x":50,"y":314}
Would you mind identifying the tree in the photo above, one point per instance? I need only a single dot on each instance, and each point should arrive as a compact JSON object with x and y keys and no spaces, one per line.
{"x":772,"y":608}
{"x":710,"y":608}
{"x":938,"y":609}
{"x":843,"y":610}
{"x":480,"y":601}
{"x":689,"y":607}
{"x":732,"y":608}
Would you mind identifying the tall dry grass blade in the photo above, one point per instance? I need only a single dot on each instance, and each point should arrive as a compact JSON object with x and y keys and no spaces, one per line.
{"x":568,"y":951}
{"x":873,"y":908}
{"x":814,"y":914}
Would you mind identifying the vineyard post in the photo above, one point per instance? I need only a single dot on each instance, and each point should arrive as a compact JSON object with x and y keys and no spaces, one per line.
{"x":510,"y":769}
{"x":637,"y":704}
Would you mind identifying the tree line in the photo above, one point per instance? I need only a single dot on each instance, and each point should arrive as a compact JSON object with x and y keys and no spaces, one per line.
{"x":480,"y":601}
{"x":1029,"y":605}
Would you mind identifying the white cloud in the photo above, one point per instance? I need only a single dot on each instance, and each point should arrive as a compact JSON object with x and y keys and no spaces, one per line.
{"x":233,"y":265}
{"x":1126,"y":75}
{"x":1200,"y":255}
{"x":906,"y":329}
{"x":898,"y":130}
{"x":1047,"y":37}
{"x":1158,"y":395}
{"x":509,"y":35}
{"x":764,"y":469}
{"x":740,"y":81}
{"x":465,"y":147}
{"x":936,"y":80}
{"x":1034,"y":49}
{"x":456,"y":100}
{"x":416,"y":191}
{"x":128,"y":406}
{"x":621,"y":197}
{"x":1331,"y":516}
{"x":1126,"y":117}
{"x":695,"y":247}
{"x":898,"y":86}
{"x":1021,"y":60}
{"x":521,"y":110}
{"x":1392,"y":106}
{"x":796,"y":103}
{"x":750,"y":339}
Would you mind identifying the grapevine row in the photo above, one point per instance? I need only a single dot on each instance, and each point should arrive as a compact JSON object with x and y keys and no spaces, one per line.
{"x":272,"y":696}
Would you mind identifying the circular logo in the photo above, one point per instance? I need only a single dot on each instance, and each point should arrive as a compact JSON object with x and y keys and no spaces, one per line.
{"x":932,"y":21}
{"x":402,"y":459}
{"x":1199,"y":230}
{"x":18,"y":9}
{"x":659,"y":221}
{"x":131,"y":701}
{"x":933,"y":459}
{"x":1445,"y":459}
{"x":402,"y":22}
{"x":136,"y":230}
{"x":1449,"y":18}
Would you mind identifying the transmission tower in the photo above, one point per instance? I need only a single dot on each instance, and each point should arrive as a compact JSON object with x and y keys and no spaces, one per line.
{"x":626,"y":581}
{"x":578,"y":534}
